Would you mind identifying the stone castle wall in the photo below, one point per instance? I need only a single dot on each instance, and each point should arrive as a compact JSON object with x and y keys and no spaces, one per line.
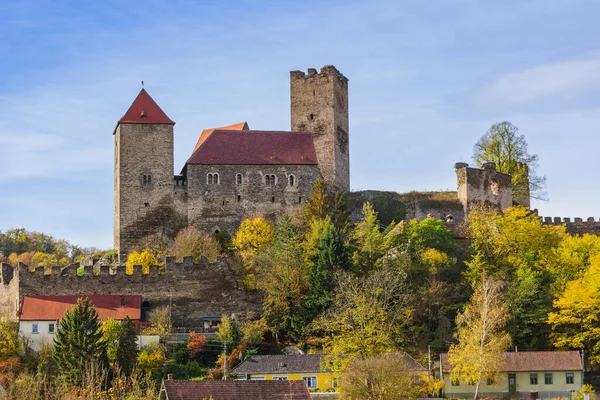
{"x":193,"y":290}
{"x":223,"y":206}
{"x":483,"y":187}
{"x":575,"y":226}
{"x":319,"y":104}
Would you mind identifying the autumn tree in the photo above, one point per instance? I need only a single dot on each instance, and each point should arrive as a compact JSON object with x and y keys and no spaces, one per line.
{"x":478,"y":355}
{"x":284,"y":281}
{"x":161,"y":322}
{"x":368,"y":317}
{"x":9,"y":338}
{"x":504,"y":146}
{"x":368,"y":240}
{"x":229,"y":330}
{"x":78,"y":341}
{"x":575,"y":323}
{"x":127,"y":350}
{"x":145,"y":259}
{"x":385,"y":376}
{"x":191,"y":242}
{"x":196,"y":343}
{"x":250,"y":238}
{"x":327,"y":201}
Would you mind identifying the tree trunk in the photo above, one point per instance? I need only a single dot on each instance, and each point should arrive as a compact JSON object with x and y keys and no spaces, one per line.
{"x":476,"y":390}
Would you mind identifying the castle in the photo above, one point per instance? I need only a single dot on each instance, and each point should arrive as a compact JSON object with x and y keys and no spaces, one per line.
{"x":233,"y":172}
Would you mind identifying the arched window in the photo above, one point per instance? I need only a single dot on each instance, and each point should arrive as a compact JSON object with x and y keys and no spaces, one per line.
{"x":291,"y":179}
{"x":238,"y":179}
{"x":212,"y":179}
{"x":270,"y":180}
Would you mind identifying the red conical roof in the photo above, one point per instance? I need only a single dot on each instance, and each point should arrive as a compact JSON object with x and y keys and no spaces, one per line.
{"x":144,"y":110}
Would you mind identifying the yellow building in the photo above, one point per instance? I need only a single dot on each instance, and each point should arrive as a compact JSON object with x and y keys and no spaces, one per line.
{"x":532,"y":374}
{"x":306,"y":367}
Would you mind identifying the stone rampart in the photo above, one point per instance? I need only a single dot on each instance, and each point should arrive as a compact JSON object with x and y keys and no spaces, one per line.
{"x":193,"y":290}
{"x":575,"y":226}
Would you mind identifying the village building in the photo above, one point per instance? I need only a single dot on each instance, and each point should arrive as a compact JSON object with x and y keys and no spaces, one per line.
{"x":230,"y":390}
{"x":531,"y":374}
{"x":40,"y":316}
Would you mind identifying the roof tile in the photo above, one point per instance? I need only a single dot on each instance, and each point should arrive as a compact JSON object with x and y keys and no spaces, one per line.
{"x":534,"y":361}
{"x":236,"y":390}
{"x":241,"y":126}
{"x":52,"y":308}
{"x":144,"y":110}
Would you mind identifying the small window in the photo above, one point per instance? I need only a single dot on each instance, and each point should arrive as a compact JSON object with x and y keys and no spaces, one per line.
{"x":490,"y":381}
{"x":280,"y":378}
{"x":51,"y":327}
{"x":239,"y":198}
{"x":311,"y":381}
{"x":34,"y":328}
{"x":238,"y":179}
{"x":548,"y":379}
{"x":270,"y":180}
{"x":570,"y":378}
{"x":272,"y":199}
{"x":216,"y":179}
{"x":291,"y":179}
{"x":147,"y":180}
{"x":209,"y":179}
{"x":533,"y":379}
{"x":300,"y":200}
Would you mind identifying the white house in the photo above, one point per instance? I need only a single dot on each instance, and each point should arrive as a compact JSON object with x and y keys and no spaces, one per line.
{"x":40,"y":315}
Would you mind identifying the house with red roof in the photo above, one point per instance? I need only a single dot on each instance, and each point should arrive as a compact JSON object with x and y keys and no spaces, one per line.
{"x":40,"y":316}
{"x":233,"y":172}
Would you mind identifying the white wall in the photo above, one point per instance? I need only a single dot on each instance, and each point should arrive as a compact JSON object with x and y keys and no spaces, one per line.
{"x":37,"y":339}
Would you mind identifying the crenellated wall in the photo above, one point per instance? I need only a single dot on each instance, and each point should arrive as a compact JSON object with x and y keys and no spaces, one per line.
{"x":575,"y":226}
{"x":193,"y":290}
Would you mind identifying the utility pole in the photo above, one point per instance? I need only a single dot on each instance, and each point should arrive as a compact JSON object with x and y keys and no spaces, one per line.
{"x":429,"y":358}
{"x":224,"y":359}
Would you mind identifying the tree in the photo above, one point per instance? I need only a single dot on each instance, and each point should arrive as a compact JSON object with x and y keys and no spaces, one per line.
{"x":191,"y":242}
{"x":368,"y":317}
{"x":9,"y":338}
{"x":386,"y":376}
{"x":369,"y":241}
{"x":78,"y":341}
{"x":326,"y":201}
{"x":575,"y":323}
{"x":110,"y":336}
{"x":228,"y":330}
{"x":151,"y":360}
{"x":478,"y":355}
{"x":504,"y":146}
{"x":250,"y":238}
{"x":127,"y":352}
{"x":196,"y":343}
{"x":162,"y":324}
{"x":145,"y":259}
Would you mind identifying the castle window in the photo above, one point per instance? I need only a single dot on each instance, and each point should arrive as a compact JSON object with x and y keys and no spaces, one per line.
{"x":212,"y":179}
{"x":239,"y":198}
{"x":291,"y":179}
{"x":146,"y":179}
{"x":272,"y":199}
{"x":311,"y":117}
{"x":270,"y":180}
{"x":300,"y":200}
{"x":238,"y":179}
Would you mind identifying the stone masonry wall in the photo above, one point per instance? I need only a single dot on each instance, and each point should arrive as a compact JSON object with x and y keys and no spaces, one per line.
{"x":223,"y":206}
{"x":575,"y":226}
{"x":319,"y":104}
{"x":193,"y":290}
{"x":483,"y":187}
{"x":142,"y":210}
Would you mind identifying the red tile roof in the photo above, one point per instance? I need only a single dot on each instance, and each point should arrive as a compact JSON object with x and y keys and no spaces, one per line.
{"x":144,"y":110}
{"x":227,"y":147}
{"x":52,"y":308}
{"x":534,"y":361}
{"x":241,"y":126}
{"x":236,"y":390}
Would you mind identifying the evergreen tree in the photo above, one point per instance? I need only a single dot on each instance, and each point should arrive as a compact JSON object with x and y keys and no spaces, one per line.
{"x":331,"y":256}
{"x":127,"y":352}
{"x":78,"y":341}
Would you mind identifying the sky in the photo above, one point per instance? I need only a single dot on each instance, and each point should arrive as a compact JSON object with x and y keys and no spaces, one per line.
{"x":427,"y":80}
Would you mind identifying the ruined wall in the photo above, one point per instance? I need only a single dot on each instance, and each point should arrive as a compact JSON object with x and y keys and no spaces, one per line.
{"x":142,"y":209}
{"x":575,"y":226}
{"x":194,"y":290}
{"x":223,"y":206}
{"x":319,"y":104}
{"x":483,"y":187}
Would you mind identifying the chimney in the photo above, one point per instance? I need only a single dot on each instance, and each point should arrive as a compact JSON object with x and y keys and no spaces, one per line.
{"x":247,"y":377}
{"x":122,"y":301}
{"x":170,"y":377}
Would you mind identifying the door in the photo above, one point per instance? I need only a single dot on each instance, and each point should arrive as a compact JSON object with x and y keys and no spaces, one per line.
{"x":512,"y":383}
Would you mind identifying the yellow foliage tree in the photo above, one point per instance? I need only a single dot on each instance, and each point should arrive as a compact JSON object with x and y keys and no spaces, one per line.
{"x":252,"y":236}
{"x":9,"y":338}
{"x":145,"y":259}
{"x":576,"y":322}
{"x":191,"y":242}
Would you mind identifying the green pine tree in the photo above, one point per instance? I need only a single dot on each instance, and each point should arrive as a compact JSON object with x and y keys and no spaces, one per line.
{"x":78,"y":341}
{"x":127,"y":352}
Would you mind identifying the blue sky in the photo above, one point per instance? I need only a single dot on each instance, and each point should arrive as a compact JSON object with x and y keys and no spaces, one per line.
{"x":427,"y":79}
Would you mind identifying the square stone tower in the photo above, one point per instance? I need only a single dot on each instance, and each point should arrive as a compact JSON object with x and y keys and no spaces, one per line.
{"x":319,"y":105}
{"x":144,"y":182}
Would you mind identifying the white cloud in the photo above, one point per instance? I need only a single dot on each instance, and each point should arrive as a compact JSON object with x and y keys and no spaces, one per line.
{"x":564,"y":78}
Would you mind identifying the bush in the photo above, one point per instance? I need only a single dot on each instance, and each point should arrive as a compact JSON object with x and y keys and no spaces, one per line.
{"x":193,"y":369}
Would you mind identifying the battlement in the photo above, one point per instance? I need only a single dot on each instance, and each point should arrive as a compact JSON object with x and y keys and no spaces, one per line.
{"x":327,"y":70}
{"x":575,"y":226}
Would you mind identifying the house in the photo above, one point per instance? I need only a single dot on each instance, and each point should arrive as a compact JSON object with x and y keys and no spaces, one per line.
{"x":306,"y":367}
{"x":233,"y":390}
{"x":40,"y":315}
{"x":543,"y":374}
